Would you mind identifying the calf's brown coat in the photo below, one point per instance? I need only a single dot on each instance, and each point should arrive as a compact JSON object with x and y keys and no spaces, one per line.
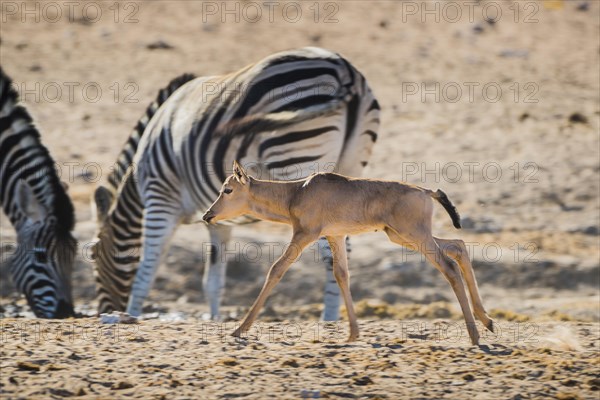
{"x":334,"y":206}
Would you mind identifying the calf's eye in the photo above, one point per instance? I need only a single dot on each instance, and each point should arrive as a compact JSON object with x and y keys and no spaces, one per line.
{"x":227,"y":190}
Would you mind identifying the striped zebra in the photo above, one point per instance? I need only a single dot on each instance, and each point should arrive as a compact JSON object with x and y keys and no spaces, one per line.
{"x":284,"y":117}
{"x":38,"y":207}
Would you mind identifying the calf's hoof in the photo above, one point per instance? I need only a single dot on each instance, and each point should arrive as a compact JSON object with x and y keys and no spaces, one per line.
{"x":475,"y":338}
{"x":237,"y":333}
{"x":352,"y":337}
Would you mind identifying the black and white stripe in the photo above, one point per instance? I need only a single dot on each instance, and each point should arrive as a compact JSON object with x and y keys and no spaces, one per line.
{"x":285,"y":117}
{"x":38,"y":207}
{"x":130,"y":147}
{"x":113,"y":282}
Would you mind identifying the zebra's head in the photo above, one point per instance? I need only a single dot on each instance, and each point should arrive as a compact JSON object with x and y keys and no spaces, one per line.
{"x":42,"y":265}
{"x":113,"y":281}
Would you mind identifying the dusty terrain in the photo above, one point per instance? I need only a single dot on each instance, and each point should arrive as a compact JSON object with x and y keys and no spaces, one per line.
{"x":503,"y":115}
{"x":296,"y":359}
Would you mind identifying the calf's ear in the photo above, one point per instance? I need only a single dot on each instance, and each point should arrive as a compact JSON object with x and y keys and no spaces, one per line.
{"x":240,"y":173}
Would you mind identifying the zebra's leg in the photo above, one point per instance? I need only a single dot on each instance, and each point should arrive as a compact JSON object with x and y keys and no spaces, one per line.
{"x":342,"y":276}
{"x":213,"y":281}
{"x":331,"y":296}
{"x":159,"y":224}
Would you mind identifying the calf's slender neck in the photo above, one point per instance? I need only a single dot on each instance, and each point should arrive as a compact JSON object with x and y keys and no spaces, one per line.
{"x":270,"y":200}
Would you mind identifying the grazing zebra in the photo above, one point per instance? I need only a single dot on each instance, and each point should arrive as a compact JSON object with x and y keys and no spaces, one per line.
{"x":285,"y":117}
{"x":113,"y":282}
{"x":38,"y":207}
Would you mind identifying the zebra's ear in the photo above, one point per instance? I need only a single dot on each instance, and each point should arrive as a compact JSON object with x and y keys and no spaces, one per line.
{"x":240,"y":173}
{"x":29,"y":204}
{"x":103,"y":199}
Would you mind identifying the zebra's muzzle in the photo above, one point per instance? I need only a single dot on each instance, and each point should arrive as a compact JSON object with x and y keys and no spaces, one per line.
{"x":64,"y":310}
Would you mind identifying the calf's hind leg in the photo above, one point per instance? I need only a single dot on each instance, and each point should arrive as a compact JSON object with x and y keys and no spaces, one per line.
{"x":457,"y":250}
{"x":426,"y":245}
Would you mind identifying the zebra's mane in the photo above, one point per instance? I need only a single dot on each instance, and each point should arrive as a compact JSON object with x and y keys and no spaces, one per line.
{"x":55,"y":199}
{"x":130,"y":147}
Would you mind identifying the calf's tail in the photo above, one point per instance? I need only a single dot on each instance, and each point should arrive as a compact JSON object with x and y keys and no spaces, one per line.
{"x":447,"y":204}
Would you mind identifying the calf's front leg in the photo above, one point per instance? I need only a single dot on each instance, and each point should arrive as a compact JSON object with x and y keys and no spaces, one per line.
{"x":299,"y":241}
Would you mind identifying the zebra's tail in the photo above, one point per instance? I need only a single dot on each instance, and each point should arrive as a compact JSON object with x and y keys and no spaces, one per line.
{"x":130,"y":147}
{"x":447,"y":204}
{"x":256,"y":123}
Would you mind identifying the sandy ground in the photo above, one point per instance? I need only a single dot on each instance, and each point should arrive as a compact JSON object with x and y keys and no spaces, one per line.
{"x":503,"y":115}
{"x":298,"y":359}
